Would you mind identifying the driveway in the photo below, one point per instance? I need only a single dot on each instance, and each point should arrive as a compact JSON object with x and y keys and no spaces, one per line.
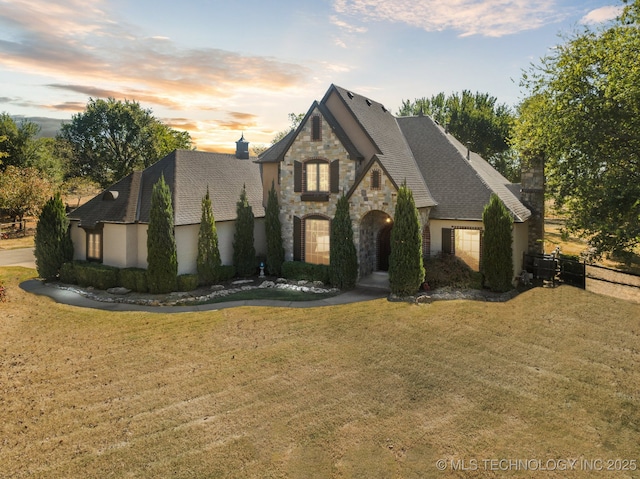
{"x":18,"y":257}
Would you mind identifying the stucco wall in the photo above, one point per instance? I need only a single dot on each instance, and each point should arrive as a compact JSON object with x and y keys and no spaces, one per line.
{"x":79,"y":238}
{"x":187,"y":248}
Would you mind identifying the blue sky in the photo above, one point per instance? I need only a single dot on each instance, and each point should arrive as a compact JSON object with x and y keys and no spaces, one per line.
{"x":222,"y":68}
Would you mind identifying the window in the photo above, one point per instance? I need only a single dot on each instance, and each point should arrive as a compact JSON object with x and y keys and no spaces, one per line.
{"x":94,"y":245}
{"x":316,"y":128}
{"x":317,"y":175}
{"x":468,"y":247}
{"x":375,"y":180}
{"x":316,"y":241}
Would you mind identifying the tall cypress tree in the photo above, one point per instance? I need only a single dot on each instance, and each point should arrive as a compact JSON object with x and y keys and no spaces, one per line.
{"x":406,"y":271}
{"x":53,"y":245}
{"x":244,"y":253}
{"x":343,"y":263}
{"x":275,"y":251}
{"x":497,"y":255}
{"x":208,"y":262}
{"x":162,"y":257}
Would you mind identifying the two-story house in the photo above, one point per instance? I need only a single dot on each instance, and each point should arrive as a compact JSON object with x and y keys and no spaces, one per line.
{"x":352,"y":145}
{"x":347,"y":144}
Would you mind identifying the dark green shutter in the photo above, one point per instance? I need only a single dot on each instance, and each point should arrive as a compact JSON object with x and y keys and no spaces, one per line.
{"x":297,"y":176}
{"x":335,"y":176}
{"x":447,"y":241}
{"x":297,"y":239}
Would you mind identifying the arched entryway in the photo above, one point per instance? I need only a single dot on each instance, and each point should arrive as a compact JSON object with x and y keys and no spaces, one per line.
{"x":375,"y":242}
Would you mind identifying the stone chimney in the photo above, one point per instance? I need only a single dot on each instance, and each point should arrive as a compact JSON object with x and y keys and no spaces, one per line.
{"x":242,"y":148}
{"x":532,"y":195}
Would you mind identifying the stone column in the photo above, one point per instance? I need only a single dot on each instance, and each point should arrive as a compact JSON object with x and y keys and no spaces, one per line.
{"x":532,"y":195}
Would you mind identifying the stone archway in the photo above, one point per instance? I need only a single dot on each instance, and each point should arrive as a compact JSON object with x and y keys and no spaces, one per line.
{"x":375,"y":242}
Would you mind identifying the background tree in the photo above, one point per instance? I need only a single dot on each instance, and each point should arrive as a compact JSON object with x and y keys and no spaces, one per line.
{"x":244,"y":252}
{"x":275,"y":250}
{"x":23,"y":191}
{"x":343,"y":263}
{"x":406,"y":271}
{"x":582,"y":116}
{"x":497,"y":255}
{"x":162,"y":258}
{"x":79,"y":187}
{"x":294,"y":122}
{"x":113,"y":138}
{"x":17,"y":146}
{"x":474,"y":119}
{"x":53,"y":246}
{"x":208,"y":261}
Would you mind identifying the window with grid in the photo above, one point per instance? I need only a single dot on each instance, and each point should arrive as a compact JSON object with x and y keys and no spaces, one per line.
{"x":316,"y":241}
{"x":317,"y":176}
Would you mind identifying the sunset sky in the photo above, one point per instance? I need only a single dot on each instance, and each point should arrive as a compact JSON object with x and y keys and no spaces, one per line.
{"x":222,"y":68}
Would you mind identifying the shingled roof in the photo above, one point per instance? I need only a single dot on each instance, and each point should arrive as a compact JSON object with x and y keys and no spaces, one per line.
{"x":188,"y":174}
{"x":461,"y":182}
{"x":394,"y":152}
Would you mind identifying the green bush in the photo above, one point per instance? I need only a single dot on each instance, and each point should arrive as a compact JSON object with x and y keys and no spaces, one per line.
{"x":97,"y":275}
{"x":68,"y":273}
{"x":187,"y":282}
{"x":497,"y":255}
{"x":53,"y":245}
{"x":208,"y":261}
{"x":344,"y":257}
{"x":448,"y":270}
{"x":226,"y":272}
{"x":162,"y":257}
{"x":406,"y":271}
{"x":134,"y":279}
{"x":244,"y":252}
{"x":311,"y":272}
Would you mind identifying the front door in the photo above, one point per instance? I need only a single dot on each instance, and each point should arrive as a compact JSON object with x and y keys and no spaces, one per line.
{"x":384,"y":247}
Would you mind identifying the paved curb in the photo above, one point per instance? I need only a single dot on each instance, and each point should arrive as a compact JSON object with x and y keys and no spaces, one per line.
{"x":358,"y":294}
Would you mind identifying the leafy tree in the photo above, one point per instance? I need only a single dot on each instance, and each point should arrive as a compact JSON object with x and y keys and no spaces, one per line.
{"x":53,"y":246}
{"x":23,"y":191}
{"x":476,"y":120}
{"x":497,"y":255}
{"x":275,"y":250}
{"x":208,"y":261}
{"x":343,"y":263}
{"x":162,"y":258}
{"x":406,"y":271}
{"x":17,"y":147}
{"x":582,"y":116}
{"x":113,"y":138}
{"x":244,"y":252}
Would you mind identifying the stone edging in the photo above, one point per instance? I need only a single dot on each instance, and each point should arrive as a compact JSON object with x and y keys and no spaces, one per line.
{"x":124,"y":296}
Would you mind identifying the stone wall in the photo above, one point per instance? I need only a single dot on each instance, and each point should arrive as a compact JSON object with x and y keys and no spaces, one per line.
{"x":533,"y":186}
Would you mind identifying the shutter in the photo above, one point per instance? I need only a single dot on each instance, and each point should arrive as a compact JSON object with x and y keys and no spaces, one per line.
{"x":297,"y":239}
{"x":335,"y":176}
{"x":447,"y":241}
{"x":297,"y":176}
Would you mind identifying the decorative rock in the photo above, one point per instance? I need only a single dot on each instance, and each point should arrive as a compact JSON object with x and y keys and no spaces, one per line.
{"x":217,"y":287}
{"x":242,"y":281}
{"x":302,"y":282}
{"x":247,"y":288}
{"x":281,"y":280}
{"x":119,"y":290}
{"x":318,"y":284}
{"x":267,"y":284}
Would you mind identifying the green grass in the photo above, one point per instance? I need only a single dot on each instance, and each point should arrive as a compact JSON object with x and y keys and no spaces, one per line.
{"x":373,"y":390}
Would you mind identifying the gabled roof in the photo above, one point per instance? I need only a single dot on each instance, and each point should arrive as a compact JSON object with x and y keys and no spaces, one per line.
{"x":188,"y":174}
{"x":383,"y":130}
{"x":461,"y":186}
{"x":278,"y":150}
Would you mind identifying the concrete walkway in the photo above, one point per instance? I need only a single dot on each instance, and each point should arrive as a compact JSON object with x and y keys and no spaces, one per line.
{"x":369,"y":289}
{"x":18,"y":257}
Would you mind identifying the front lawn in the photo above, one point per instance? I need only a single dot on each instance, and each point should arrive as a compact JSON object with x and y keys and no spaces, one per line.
{"x":374,"y":389}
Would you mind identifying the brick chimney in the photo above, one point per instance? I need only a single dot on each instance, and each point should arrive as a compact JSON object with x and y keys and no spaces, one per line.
{"x":242,"y":148}
{"x":532,"y":195}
